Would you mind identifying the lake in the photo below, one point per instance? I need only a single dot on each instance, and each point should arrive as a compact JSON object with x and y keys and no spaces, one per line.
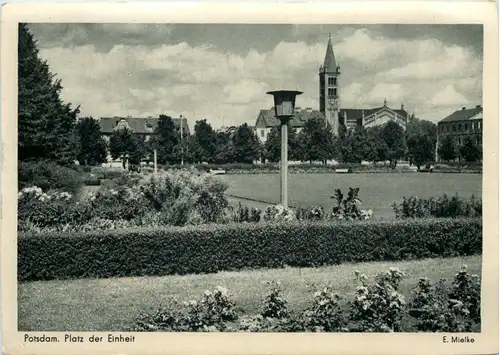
{"x":377,"y":191}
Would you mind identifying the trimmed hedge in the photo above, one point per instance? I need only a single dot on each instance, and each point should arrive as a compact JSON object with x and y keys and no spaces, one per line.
{"x":209,"y":249}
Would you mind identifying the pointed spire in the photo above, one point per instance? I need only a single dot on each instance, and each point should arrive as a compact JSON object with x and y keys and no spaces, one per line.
{"x":385,"y":102}
{"x":330,"y":64}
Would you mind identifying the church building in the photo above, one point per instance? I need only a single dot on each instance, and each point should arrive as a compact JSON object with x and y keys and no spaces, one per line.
{"x":330,"y":106}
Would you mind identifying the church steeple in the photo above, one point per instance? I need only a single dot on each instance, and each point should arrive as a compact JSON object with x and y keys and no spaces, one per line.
{"x":329,"y":89}
{"x":330,"y":65}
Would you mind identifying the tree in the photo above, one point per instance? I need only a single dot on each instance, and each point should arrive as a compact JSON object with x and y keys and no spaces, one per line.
{"x":246,"y":145}
{"x":224,"y":149}
{"x":124,"y":143}
{"x":421,"y":137}
{"x":394,"y":137}
{"x":45,"y":123}
{"x":469,"y":151}
{"x":205,"y":142}
{"x":273,"y":144}
{"x":447,"y":149}
{"x":420,"y":149}
{"x":92,"y":148}
{"x":377,"y":149}
{"x":316,"y":142}
{"x":166,"y":140}
{"x":356,"y":146}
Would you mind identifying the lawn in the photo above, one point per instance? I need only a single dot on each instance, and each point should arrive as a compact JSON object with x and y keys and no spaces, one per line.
{"x":377,"y":191}
{"x":114,"y":304}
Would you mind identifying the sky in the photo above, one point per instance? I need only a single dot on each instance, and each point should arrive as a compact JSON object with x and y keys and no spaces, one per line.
{"x":222,"y":72}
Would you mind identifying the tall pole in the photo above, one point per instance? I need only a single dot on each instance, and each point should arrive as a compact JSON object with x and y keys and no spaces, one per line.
{"x":284,"y":164}
{"x":182,"y":143}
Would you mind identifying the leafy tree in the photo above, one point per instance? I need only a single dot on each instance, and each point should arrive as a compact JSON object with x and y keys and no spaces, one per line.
{"x":92,"y":148}
{"x":246,"y":145}
{"x":205,"y":141}
{"x":124,"y":143}
{"x":166,"y":140}
{"x":469,"y":151}
{"x":224,"y":150}
{"x":377,"y":149}
{"x":447,"y":149}
{"x":394,"y":137}
{"x":316,"y":142}
{"x":273,"y":144}
{"x":45,"y":123}
{"x":421,"y":137}
{"x":420,"y":149}
{"x":356,"y":146}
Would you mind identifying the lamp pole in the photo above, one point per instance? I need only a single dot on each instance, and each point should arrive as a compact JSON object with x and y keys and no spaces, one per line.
{"x":284,"y":164}
{"x":284,"y":104}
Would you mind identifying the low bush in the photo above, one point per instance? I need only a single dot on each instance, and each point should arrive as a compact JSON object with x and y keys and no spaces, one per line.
{"x":442,"y":207}
{"x":49,"y":176}
{"x":213,"y":248}
{"x":376,"y":307}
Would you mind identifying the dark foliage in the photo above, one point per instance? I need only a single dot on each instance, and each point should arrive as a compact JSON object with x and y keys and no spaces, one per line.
{"x":209,"y":249}
{"x":48,"y":176}
{"x":45,"y":123}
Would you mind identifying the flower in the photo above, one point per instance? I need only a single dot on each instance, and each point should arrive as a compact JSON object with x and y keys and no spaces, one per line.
{"x":222,"y":290}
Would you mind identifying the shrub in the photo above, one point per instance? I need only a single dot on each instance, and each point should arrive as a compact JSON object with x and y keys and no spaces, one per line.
{"x":38,"y":209}
{"x":378,"y":307}
{"x":348,"y":208}
{"x":48,"y":176}
{"x":278,"y":213}
{"x":442,"y":207}
{"x":211,"y":313}
{"x":213,"y":248}
{"x":440,"y":309}
{"x":325,"y":314}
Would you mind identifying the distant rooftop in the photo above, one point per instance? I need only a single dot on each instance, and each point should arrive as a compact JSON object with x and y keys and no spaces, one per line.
{"x":463,"y":115}
{"x":138,"y":124}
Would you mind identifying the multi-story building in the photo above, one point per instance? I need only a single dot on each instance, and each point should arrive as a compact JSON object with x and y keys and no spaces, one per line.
{"x":330,"y":106}
{"x":461,"y":124}
{"x":144,"y":127}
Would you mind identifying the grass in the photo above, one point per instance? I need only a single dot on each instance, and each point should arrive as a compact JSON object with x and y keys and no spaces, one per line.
{"x":114,"y":304}
{"x":377,"y":191}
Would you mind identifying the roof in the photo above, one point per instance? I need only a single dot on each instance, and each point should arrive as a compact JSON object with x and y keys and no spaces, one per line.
{"x":139,"y":125}
{"x":330,"y":65}
{"x":357,"y":113}
{"x":299,"y":119}
{"x":463,"y":115}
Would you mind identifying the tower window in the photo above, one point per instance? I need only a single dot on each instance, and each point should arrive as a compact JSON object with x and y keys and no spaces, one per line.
{"x":334,"y":91}
{"x":262,"y":134}
{"x":330,"y":81}
{"x":330,"y":92}
{"x":335,"y":81}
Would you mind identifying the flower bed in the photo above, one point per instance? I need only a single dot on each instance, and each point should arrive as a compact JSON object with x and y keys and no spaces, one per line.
{"x":375,"y":307}
{"x":213,"y":248}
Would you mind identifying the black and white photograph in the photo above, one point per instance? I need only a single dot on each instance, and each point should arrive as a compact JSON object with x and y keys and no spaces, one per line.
{"x":250,"y":178}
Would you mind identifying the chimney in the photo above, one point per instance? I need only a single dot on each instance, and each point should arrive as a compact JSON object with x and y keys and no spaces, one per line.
{"x":402,"y":107}
{"x":362,"y":118}
{"x":463,"y":108}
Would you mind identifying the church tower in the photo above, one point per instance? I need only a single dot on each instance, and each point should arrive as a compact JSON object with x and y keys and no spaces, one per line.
{"x":329,"y":93}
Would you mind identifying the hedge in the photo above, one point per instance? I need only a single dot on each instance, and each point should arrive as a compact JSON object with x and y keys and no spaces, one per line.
{"x":208,"y":249}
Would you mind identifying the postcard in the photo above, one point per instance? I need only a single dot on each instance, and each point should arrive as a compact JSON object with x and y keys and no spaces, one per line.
{"x":228,"y":178}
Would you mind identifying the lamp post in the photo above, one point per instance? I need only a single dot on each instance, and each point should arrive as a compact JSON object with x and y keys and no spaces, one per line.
{"x":284,"y":105}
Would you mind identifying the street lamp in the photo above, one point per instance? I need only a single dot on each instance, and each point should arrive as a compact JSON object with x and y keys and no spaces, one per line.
{"x":284,"y":105}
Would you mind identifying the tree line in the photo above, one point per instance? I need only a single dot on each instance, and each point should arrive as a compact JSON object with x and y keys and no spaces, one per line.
{"x":49,"y":129}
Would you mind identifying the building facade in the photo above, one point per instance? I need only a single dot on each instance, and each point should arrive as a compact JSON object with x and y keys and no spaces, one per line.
{"x":330,"y":106}
{"x":461,"y":124}
{"x":144,"y":127}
